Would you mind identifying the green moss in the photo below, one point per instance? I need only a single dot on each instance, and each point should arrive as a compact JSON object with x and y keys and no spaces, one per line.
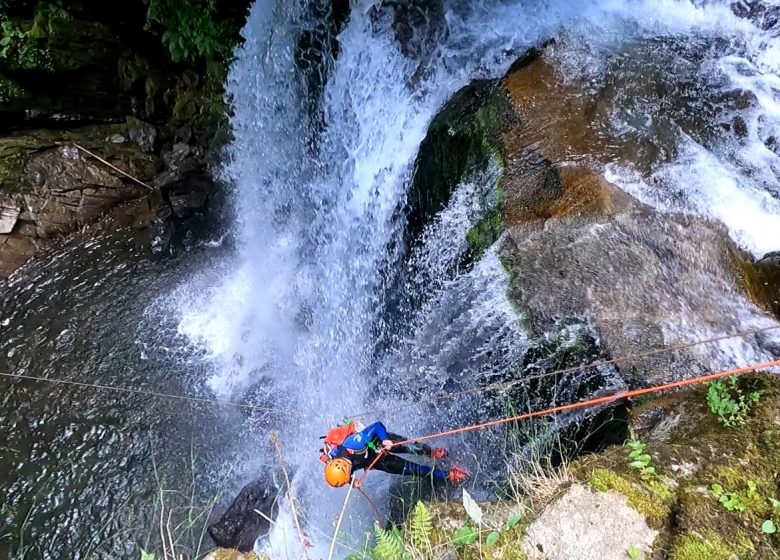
{"x":642,"y":499}
{"x":708,"y":546}
{"x":485,"y":233}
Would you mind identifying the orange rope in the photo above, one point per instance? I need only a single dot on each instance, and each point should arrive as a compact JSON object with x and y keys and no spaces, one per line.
{"x":580,"y":405}
{"x":563,"y":371}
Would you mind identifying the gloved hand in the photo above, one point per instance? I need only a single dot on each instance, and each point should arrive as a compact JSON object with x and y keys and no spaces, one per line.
{"x":387,"y":445}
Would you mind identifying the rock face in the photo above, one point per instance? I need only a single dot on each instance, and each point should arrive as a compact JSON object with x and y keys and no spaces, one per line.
{"x":241,"y":526}
{"x":762,"y":281}
{"x":50,"y":185}
{"x":588,"y":526}
{"x":633,"y":275}
{"x":461,"y":140}
{"x":578,"y":248}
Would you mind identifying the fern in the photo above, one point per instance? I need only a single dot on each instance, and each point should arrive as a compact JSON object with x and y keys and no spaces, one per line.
{"x":389,"y":544}
{"x":422,"y":527}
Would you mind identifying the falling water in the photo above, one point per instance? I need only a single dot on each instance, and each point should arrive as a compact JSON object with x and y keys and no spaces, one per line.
{"x":318,"y":198}
{"x":293,"y":320}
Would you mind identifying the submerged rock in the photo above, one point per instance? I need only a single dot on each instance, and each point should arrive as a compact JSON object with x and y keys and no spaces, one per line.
{"x":241,"y":525}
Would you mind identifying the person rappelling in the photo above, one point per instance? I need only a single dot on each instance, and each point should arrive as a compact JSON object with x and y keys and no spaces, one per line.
{"x":351,"y":446}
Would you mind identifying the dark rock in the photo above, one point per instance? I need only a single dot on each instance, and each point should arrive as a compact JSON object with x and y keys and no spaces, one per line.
{"x":143,"y":134}
{"x":190,"y":195}
{"x":762,"y":281}
{"x":772,"y":258}
{"x":185,"y":205}
{"x":240,"y":527}
{"x":461,"y":140}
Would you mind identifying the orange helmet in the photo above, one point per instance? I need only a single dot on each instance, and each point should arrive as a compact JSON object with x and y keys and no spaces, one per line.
{"x":338,"y":472}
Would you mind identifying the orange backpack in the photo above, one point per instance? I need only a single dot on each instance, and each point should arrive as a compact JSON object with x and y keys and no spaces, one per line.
{"x":337,"y":435}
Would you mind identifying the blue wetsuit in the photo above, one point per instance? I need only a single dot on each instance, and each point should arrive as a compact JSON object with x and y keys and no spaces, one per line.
{"x":362,"y":448}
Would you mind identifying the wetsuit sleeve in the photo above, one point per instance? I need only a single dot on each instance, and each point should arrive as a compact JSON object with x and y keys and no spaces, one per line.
{"x":376,"y":430}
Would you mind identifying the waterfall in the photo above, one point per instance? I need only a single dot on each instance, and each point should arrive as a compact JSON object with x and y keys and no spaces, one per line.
{"x":319,"y":181}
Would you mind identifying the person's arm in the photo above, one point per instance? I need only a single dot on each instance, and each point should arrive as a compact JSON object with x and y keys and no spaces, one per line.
{"x":376,"y":430}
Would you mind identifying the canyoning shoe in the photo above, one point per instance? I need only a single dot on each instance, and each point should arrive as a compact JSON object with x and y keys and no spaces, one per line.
{"x":438,"y":453}
{"x":457,"y":475}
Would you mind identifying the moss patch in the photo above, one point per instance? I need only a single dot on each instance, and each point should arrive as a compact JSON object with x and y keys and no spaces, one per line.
{"x":641,"y":498}
{"x":708,"y":546}
{"x":485,"y":233}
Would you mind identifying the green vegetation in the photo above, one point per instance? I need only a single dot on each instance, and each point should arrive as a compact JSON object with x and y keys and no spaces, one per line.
{"x":191,"y":29}
{"x":421,"y":537}
{"x":485,"y":233}
{"x":20,"y":48}
{"x":643,"y":499}
{"x":640,"y":460}
{"x":9,"y":90}
{"x":707,"y":546}
{"x":730,"y":402}
{"x":729,"y":500}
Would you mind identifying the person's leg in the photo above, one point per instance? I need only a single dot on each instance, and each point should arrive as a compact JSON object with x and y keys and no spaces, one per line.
{"x":416,"y":448}
{"x":393,"y":464}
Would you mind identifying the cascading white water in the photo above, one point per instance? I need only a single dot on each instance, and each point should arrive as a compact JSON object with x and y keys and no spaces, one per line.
{"x":297,"y":311}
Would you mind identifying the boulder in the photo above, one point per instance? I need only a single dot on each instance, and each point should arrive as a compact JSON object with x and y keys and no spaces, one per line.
{"x":461,"y":141}
{"x":641,"y":278}
{"x":587,"y":525}
{"x":190,"y":195}
{"x":240,"y":526}
{"x":143,"y":134}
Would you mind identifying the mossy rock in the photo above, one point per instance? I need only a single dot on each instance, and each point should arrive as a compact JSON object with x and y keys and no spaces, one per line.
{"x":692,"y":451}
{"x":643,"y":498}
{"x":16,"y":151}
{"x":462,"y":140}
{"x":709,"y":546}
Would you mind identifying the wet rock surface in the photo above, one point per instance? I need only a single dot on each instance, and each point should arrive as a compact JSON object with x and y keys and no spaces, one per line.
{"x":762,"y":281}
{"x":53,"y":183}
{"x":240,"y":526}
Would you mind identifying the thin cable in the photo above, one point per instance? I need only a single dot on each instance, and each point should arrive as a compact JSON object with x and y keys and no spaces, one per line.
{"x":139,"y":392}
{"x":377,"y":412}
{"x":564,"y":371}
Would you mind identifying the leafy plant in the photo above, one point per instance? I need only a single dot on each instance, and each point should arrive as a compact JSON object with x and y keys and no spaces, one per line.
{"x":465,"y":536}
{"x":472,"y":508}
{"x":769,"y":527}
{"x":729,"y":402}
{"x":421,"y":526}
{"x":640,"y":460}
{"x":390,"y":544}
{"x":146,"y":556}
{"x":492,"y":538}
{"x":729,"y":500}
{"x":634,"y":552}
{"x":513,"y":520}
{"x":191,"y":28}
{"x":20,"y":50}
